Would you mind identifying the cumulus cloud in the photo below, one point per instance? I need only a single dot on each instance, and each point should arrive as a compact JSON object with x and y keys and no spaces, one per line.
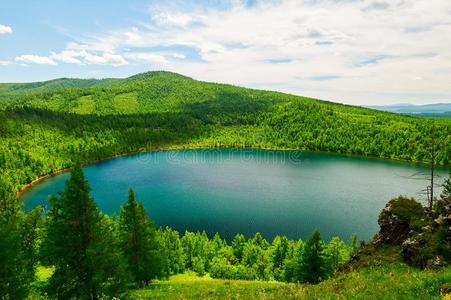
{"x":69,"y":56}
{"x":107,"y":59}
{"x":36,"y":59}
{"x":79,"y":57}
{"x":147,"y":57}
{"x":5,"y":29}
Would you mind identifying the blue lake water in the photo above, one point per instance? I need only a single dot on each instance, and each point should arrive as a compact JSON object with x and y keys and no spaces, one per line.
{"x":230,"y":191}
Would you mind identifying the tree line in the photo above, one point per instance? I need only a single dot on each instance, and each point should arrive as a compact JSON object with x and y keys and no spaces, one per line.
{"x":93,"y":255}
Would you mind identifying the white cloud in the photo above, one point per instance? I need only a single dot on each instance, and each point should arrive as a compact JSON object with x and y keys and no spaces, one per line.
{"x":146,"y":57}
{"x":177,"y":19}
{"x":69,"y":56}
{"x":5,"y":29}
{"x":107,"y":59}
{"x":84,"y":57}
{"x":4,"y":63}
{"x":36,"y":59}
{"x":178,"y":55}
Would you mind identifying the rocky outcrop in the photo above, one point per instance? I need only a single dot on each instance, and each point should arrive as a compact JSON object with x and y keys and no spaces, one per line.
{"x":425,"y":236}
{"x":396,"y":218}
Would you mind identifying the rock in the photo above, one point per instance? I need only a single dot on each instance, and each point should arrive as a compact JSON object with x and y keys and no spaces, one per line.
{"x":426,"y":228}
{"x":413,"y":232}
{"x":435,"y":262}
{"x":411,"y":249}
{"x":445,"y":289}
{"x":440,"y":220}
{"x":393,"y":230}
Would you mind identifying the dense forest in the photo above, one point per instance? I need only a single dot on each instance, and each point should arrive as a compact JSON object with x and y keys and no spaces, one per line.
{"x":92,"y":255}
{"x":46,"y":126}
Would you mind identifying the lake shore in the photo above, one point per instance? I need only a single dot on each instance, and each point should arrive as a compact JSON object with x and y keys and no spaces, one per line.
{"x":25,"y":188}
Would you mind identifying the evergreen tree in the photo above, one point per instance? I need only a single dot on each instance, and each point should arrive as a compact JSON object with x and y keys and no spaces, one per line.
{"x":278,"y":255}
{"x":78,"y":245}
{"x":16,"y":266}
{"x":138,"y":242}
{"x":31,"y":226}
{"x":238,"y":246}
{"x":337,"y":253}
{"x":172,"y":248}
{"x":311,"y":264}
{"x":14,"y":275}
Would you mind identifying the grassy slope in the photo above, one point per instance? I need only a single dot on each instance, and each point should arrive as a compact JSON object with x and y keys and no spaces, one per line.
{"x":391,"y":281}
{"x":376,"y":274}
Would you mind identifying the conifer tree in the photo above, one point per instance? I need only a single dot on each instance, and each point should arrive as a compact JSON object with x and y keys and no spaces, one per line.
{"x":138,"y":241}
{"x":238,"y":246}
{"x":78,"y":245}
{"x":312,"y":265}
{"x":16,"y":264}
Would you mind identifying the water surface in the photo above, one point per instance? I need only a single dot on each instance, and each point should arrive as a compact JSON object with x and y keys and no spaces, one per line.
{"x":230,"y":190}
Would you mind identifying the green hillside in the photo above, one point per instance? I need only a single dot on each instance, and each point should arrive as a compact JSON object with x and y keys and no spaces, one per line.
{"x":46,"y":126}
{"x":384,"y":282}
{"x":388,"y":281}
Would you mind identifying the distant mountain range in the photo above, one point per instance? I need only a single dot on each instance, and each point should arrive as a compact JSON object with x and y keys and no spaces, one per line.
{"x":428,"y":110}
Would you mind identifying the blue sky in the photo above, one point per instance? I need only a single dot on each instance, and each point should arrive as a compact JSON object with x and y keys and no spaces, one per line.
{"x":352,"y":51}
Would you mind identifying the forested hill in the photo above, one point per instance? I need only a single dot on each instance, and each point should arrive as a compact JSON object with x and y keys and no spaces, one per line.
{"x":46,"y":126}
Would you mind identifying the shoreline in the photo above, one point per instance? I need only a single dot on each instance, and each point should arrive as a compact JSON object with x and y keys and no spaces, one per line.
{"x":25,"y":188}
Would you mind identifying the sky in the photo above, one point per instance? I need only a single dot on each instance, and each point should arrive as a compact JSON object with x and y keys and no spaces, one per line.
{"x":350,"y":51}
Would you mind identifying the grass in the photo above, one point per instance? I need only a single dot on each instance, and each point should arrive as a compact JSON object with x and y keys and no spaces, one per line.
{"x":126,"y":103}
{"x":84,"y":105}
{"x":189,"y":286}
{"x":390,"y":281}
{"x":377,"y":274}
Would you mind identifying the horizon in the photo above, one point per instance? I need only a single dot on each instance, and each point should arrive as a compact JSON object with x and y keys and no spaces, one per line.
{"x":353,"y":52}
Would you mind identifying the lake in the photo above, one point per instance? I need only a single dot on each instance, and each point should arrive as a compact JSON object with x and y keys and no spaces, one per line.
{"x":247,"y":191}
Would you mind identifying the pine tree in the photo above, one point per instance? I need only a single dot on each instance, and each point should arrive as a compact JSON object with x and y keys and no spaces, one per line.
{"x":138,"y":241}
{"x":238,"y":246}
{"x":16,"y":266}
{"x":172,"y":251}
{"x":78,"y":246}
{"x":311,"y":263}
{"x":337,"y":253}
{"x":14,"y":278}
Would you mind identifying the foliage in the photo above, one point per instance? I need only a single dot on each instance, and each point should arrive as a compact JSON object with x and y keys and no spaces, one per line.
{"x":312,"y":262}
{"x":250,"y":259}
{"x":79,"y":242}
{"x":18,"y":236}
{"x":138,"y":241}
{"x":15,"y":275}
